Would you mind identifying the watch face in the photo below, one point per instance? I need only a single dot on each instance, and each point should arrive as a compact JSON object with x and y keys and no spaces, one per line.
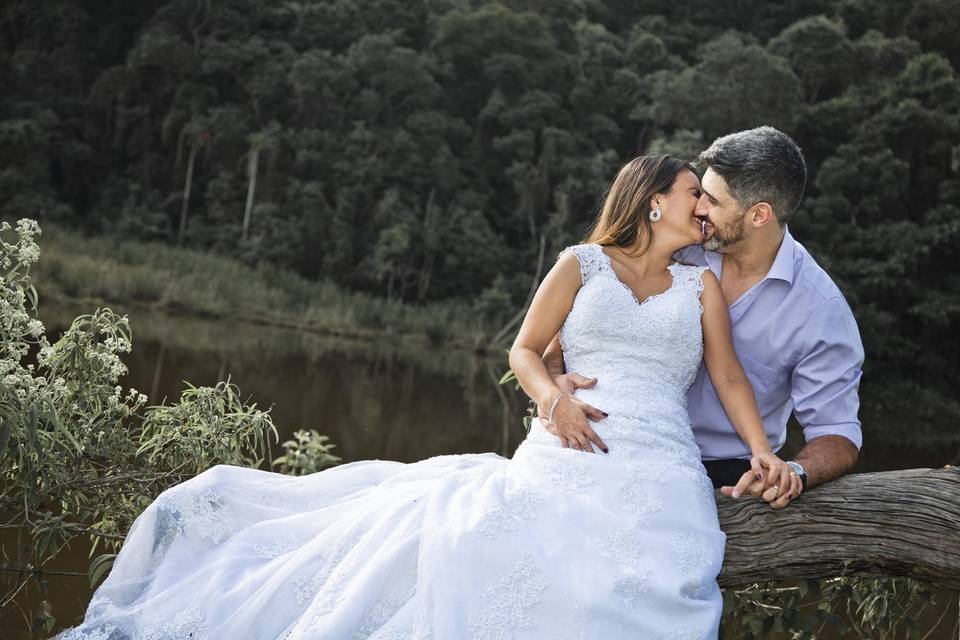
{"x":796,"y":467}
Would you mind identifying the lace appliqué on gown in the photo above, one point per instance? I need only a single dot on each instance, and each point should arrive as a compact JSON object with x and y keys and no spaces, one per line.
{"x":694,"y":554}
{"x":189,"y":625}
{"x":570,"y":473}
{"x":508,"y":603}
{"x":388,"y":604}
{"x":102,"y":633}
{"x":201,"y":515}
{"x":510,"y":514}
{"x":186,"y":625}
{"x":631,"y":589}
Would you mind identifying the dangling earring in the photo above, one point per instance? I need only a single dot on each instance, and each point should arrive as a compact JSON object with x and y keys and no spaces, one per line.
{"x":655,"y":215}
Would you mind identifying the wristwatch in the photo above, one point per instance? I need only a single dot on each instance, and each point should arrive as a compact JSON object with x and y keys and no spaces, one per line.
{"x":798,"y":469}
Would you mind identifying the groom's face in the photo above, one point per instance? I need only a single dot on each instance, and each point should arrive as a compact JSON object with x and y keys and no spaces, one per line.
{"x":725,"y":218}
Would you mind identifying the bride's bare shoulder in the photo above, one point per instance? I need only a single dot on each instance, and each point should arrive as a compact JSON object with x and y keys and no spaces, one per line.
{"x":569,"y":267}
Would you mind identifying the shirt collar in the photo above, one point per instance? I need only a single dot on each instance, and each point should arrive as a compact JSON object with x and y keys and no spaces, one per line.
{"x":781,"y":269}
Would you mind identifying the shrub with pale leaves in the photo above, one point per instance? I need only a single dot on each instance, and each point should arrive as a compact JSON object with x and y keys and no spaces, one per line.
{"x":80,"y":456}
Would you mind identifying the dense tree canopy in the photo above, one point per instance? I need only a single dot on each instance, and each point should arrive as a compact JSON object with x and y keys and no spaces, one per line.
{"x":419,"y":150}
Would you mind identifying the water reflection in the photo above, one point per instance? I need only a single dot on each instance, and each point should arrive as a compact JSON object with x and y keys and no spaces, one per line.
{"x":397,"y":399}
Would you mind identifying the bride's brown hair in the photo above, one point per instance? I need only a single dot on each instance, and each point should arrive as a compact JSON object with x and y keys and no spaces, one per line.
{"x":624,"y":221}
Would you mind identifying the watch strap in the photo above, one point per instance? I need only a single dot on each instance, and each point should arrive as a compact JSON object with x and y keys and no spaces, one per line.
{"x":799,"y":470}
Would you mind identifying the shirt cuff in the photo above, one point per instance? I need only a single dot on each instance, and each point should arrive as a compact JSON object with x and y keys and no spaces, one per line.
{"x":849,"y":430}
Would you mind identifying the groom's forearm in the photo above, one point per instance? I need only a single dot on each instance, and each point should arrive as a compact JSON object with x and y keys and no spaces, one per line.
{"x":826,"y":458}
{"x":553,"y":358}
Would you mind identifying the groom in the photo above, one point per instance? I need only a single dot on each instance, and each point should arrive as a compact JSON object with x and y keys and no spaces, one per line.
{"x":792,"y":328}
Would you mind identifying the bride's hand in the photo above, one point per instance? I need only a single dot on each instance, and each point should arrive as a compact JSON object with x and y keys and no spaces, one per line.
{"x":571,"y":426}
{"x":774,"y":473}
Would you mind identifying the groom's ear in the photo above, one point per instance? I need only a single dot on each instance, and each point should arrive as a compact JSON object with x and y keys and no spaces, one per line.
{"x":761,"y":214}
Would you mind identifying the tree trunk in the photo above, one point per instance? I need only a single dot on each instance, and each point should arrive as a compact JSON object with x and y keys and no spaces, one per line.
{"x":894,"y":523}
{"x":186,"y":193}
{"x":430,"y":242}
{"x":252,"y":162}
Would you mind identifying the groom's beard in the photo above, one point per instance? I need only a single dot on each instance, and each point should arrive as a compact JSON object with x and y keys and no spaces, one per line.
{"x":727,"y":236}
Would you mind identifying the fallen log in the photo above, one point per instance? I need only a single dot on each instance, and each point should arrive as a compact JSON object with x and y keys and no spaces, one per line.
{"x":891,"y":523}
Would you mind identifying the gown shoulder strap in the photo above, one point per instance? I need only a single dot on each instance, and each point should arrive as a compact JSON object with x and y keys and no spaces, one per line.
{"x":689,"y":276}
{"x":591,"y":257}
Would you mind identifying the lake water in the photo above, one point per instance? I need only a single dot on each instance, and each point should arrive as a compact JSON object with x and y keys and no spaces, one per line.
{"x":392,"y":399}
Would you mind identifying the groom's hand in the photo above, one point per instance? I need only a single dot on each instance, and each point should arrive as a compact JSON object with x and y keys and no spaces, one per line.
{"x":750,"y":484}
{"x":570,"y":382}
{"x":572,"y":414}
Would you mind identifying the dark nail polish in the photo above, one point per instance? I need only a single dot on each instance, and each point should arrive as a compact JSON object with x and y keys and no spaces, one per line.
{"x":606,"y":450}
{"x":605,"y":414}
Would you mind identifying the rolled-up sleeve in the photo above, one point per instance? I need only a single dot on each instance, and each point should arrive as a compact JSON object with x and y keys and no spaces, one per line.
{"x":826,"y":380}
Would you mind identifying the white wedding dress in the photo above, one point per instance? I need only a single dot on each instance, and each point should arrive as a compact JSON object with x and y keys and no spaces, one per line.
{"x":551,"y":544}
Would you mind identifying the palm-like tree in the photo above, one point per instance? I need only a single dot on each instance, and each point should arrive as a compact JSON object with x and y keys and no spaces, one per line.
{"x":261,"y":142}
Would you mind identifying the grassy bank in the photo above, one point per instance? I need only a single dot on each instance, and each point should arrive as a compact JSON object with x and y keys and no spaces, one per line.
{"x":126,"y":274}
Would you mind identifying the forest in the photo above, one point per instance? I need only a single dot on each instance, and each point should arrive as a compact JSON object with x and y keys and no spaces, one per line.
{"x":416,"y":155}
{"x":418,"y":151}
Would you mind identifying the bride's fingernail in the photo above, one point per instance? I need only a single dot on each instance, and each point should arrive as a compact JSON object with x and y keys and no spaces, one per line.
{"x":759,"y":476}
{"x":606,"y":450}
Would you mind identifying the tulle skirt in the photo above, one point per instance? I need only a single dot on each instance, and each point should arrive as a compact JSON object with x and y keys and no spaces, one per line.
{"x":550,"y":544}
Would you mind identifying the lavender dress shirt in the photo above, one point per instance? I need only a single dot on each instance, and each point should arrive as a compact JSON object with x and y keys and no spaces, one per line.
{"x":800,"y":347}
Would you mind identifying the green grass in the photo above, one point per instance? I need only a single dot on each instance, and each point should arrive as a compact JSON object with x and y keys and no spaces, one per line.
{"x":120,"y":273}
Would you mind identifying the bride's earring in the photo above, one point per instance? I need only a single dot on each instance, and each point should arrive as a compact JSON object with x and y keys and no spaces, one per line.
{"x":655,"y":215}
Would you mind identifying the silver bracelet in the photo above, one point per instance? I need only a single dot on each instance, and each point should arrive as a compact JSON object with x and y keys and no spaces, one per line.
{"x":553,"y":407}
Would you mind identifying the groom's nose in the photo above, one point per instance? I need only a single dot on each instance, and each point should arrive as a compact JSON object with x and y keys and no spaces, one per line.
{"x":702,"y":207}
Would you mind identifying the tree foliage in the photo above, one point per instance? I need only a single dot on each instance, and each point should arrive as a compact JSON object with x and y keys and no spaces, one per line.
{"x":418,"y":151}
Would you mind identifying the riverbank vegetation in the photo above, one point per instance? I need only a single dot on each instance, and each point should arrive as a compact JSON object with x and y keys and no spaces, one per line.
{"x":130,"y":274}
{"x":80,"y":456}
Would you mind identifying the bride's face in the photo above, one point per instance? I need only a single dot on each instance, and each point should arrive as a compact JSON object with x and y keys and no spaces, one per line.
{"x":677,"y":224}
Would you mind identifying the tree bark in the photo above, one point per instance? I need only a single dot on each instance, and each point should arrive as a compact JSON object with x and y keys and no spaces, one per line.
{"x":186,"y":194}
{"x":893,"y":523}
{"x":253,"y":161}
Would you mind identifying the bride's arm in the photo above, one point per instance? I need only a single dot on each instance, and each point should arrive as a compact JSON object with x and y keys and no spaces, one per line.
{"x":732,"y":386}
{"x":548,"y":310}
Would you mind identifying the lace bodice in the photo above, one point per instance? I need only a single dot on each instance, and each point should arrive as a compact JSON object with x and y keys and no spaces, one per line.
{"x":645,"y":355}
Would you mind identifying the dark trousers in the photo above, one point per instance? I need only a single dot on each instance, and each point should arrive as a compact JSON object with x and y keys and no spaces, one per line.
{"x":726,"y":472}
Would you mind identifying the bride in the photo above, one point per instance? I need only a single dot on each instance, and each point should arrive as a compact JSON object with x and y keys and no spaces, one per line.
{"x":564,"y":540}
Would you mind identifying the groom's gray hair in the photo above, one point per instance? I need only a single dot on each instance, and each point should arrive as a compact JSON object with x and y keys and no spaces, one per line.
{"x":760,"y":165}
